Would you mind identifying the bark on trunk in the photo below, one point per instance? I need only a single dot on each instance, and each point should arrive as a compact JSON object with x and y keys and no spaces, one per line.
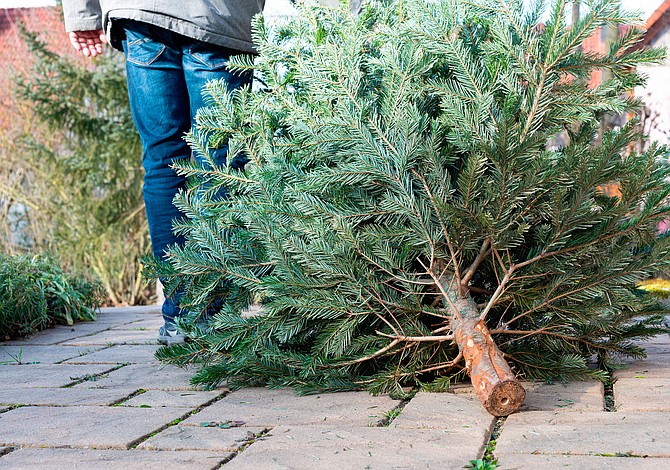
{"x":494,"y":382}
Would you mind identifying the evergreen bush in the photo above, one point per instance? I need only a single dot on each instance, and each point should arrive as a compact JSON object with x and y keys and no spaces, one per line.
{"x":72,"y":184}
{"x":402,"y":216}
{"x":36,"y":293}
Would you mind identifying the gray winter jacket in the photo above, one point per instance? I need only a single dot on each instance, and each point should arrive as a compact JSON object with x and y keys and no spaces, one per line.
{"x":222,"y":22}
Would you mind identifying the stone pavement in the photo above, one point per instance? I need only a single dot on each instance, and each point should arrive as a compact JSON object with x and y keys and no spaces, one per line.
{"x":92,"y":396}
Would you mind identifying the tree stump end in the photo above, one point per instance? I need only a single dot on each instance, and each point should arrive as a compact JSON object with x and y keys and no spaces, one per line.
{"x":505,"y":398}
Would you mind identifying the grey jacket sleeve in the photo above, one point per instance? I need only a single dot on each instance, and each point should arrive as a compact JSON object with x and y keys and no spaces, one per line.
{"x":82,"y":15}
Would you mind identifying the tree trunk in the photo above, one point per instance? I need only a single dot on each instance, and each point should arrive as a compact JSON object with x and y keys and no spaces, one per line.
{"x":494,"y":382}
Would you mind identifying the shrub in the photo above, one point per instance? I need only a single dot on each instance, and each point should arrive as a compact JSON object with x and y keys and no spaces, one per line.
{"x":71,"y":183}
{"x":36,"y":293}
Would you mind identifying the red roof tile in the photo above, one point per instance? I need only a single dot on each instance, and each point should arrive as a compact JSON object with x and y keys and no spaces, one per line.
{"x":657,"y":22}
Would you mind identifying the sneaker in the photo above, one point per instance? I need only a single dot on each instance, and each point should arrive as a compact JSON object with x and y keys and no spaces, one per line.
{"x":168,"y":335}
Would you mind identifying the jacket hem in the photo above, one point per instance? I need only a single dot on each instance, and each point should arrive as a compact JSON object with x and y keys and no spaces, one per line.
{"x":173,"y":24}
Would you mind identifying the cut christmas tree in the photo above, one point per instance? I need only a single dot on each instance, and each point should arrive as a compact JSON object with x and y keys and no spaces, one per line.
{"x":403,"y":218}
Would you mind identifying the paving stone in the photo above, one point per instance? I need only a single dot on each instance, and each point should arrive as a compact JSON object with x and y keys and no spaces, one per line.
{"x":201,"y":438}
{"x":462,"y":387}
{"x":153,"y":323}
{"x":121,"y":322}
{"x":642,"y":394}
{"x":109,"y":337}
{"x":543,"y":432}
{"x":11,"y":355}
{"x":47,"y":375}
{"x":172,"y":399}
{"x":329,"y":447}
{"x":61,"y":396}
{"x":118,"y":354}
{"x":81,"y":329}
{"x":132,"y":310}
{"x":457,"y":414}
{"x":579,"y":462}
{"x":659,"y":344}
{"x":92,"y":426}
{"x":656,"y":366}
{"x":322,"y":431}
{"x":67,"y":459}
{"x":268,"y":407}
{"x":146,"y":376}
{"x":60,"y":334}
{"x":573,"y":396}
{"x":113,"y":320}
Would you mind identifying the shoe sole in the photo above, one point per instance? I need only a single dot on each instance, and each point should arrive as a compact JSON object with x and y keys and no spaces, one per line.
{"x":170,"y":340}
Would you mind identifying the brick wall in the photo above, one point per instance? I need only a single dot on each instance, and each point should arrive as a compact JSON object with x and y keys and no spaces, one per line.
{"x":597,"y":42}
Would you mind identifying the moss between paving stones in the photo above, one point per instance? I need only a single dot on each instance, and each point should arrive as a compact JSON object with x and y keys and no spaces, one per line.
{"x":174,"y":422}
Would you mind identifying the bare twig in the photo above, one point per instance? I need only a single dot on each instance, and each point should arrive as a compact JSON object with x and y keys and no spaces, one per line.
{"x":381,"y":351}
{"x":502,"y":285}
{"x":454,"y":309}
{"x":417,"y":339}
{"x":446,"y":365}
{"x":472,"y":269}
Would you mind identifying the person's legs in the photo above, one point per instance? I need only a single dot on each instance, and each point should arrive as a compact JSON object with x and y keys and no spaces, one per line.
{"x":160,"y":107}
{"x":202,"y":63}
{"x":166,"y":73}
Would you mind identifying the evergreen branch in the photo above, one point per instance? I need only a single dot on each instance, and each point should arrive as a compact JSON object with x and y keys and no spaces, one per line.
{"x":545,"y":332}
{"x":609,"y":235}
{"x":215,"y":235}
{"x":215,"y":173}
{"x":502,"y":285}
{"x":218,"y":96}
{"x":525,"y":39}
{"x":445,"y":232}
{"x":448,"y":39}
{"x":598,"y":281}
{"x":545,"y":70}
{"x":584,"y":28}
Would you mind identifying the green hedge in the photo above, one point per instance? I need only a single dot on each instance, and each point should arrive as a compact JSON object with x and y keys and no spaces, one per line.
{"x":35,"y":293}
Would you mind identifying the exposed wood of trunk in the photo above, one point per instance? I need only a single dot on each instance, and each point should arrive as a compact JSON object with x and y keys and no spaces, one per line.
{"x":494,"y":382}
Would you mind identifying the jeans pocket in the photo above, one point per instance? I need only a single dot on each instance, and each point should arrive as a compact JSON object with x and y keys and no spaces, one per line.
{"x":211,"y":56}
{"x":141,"y":49}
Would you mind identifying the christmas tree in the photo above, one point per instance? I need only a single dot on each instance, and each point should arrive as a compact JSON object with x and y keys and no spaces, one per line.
{"x":402,"y":218}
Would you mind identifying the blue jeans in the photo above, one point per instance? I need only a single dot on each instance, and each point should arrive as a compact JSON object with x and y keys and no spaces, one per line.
{"x":166,"y":73}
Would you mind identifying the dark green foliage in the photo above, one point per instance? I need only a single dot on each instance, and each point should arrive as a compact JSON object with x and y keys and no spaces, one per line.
{"x":36,"y":293}
{"x":398,"y":162}
{"x":77,"y":173}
